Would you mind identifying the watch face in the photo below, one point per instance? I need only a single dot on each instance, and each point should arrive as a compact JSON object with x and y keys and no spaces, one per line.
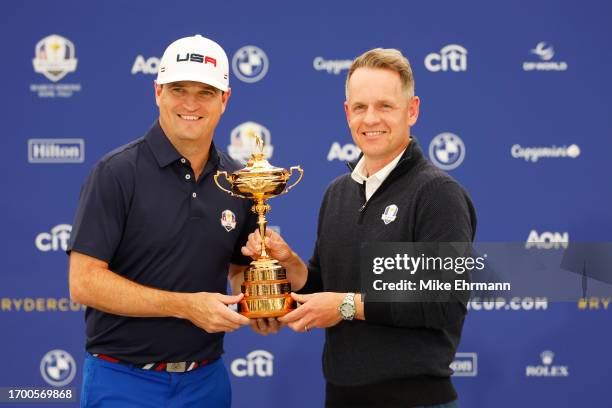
{"x":347,"y":309}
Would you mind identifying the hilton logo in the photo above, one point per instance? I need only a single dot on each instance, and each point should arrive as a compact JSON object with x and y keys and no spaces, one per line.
{"x":56,"y":150}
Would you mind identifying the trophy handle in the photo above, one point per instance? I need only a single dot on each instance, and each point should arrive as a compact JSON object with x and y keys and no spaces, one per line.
{"x":298,"y":168}
{"x":216,"y":177}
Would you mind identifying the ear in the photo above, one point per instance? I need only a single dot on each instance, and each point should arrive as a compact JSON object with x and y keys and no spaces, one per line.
{"x":225,"y":99}
{"x":158,"y":90}
{"x":413,"y":110}
{"x":347,"y":112}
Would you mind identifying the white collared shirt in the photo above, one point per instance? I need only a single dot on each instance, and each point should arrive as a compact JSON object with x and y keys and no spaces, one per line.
{"x":374,"y":181}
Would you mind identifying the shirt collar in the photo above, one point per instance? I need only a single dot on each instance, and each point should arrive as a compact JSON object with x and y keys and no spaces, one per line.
{"x":162,"y":149}
{"x":358,"y":173}
{"x":165,"y":153}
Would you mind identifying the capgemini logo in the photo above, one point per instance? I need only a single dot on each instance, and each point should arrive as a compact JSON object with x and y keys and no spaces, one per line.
{"x":257,"y":363}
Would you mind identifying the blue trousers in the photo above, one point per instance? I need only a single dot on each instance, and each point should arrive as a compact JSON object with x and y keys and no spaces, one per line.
{"x":107,"y":384}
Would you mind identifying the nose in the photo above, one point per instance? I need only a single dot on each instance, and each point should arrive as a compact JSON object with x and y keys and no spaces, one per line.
{"x":371,"y":118}
{"x":190,"y":102}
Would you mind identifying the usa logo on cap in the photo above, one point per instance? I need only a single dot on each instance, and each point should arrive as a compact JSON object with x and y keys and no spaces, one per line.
{"x":228,"y":220}
{"x":390,"y":214}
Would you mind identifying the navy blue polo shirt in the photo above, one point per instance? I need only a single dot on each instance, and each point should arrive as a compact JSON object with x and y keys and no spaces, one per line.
{"x":142,"y":211}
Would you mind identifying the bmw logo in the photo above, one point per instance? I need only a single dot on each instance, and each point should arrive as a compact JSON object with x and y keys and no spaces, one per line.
{"x":58,"y":368}
{"x":447,"y":151}
{"x":250,"y":64}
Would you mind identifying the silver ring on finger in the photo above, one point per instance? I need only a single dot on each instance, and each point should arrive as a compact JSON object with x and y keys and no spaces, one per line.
{"x":306,"y":328}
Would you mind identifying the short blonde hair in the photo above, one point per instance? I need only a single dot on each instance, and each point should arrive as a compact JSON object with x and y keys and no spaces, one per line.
{"x":385,"y":58}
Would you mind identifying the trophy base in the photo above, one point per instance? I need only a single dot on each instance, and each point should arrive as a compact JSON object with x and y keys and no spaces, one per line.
{"x":267,"y":292}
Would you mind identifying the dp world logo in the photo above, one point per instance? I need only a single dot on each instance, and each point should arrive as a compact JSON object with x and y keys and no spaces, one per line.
{"x":250,"y":64}
{"x":58,"y":368}
{"x":447,"y":151}
{"x":242,"y":141}
{"x":54,"y":57}
{"x":257,"y":363}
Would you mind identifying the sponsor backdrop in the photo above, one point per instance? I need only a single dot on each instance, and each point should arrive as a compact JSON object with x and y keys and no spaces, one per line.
{"x":515,"y":105}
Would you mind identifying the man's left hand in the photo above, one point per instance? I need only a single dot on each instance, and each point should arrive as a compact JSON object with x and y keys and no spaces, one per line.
{"x":318,"y":310}
{"x":265,"y":326}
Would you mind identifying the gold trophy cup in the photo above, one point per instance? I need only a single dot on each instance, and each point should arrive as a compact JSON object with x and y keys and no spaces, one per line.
{"x":267,"y":291}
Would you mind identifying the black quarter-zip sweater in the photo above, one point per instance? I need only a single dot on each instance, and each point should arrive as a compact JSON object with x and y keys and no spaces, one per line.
{"x":413,"y":343}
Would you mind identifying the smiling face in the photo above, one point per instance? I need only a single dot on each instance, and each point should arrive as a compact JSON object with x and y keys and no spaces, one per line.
{"x":189,"y":111}
{"x":379,"y":113}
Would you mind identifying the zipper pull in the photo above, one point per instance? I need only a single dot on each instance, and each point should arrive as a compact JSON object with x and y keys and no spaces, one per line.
{"x":363,"y":207}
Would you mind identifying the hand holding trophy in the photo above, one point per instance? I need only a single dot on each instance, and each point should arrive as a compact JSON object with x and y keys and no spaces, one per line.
{"x":267,"y":291}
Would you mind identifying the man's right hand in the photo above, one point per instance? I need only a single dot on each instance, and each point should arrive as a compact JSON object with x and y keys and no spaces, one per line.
{"x":210,"y":311}
{"x":276,"y":247}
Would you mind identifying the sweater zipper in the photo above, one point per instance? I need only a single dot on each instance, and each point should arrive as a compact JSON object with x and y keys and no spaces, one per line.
{"x":377,"y":192}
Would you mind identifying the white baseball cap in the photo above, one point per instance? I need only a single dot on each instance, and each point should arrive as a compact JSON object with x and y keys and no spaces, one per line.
{"x":195,"y":59}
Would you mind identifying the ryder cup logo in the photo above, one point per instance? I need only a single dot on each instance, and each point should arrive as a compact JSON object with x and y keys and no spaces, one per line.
{"x":228,"y":220}
{"x":257,"y":363}
{"x":453,"y":57}
{"x":58,"y":368}
{"x":243,"y":144}
{"x":447,"y":151}
{"x":390,"y":214}
{"x":250,"y":64}
{"x":54,"y":57}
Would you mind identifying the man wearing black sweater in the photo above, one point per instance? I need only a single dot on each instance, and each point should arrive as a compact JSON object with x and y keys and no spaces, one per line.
{"x":379,"y":354}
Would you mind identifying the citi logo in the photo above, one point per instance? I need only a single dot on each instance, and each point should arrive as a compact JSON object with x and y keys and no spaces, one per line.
{"x":349,"y":152}
{"x":55,"y":240}
{"x":547,"y":240}
{"x":145,"y":66}
{"x":465,"y":365}
{"x":533,"y":154}
{"x":547,"y":369}
{"x":331,"y":66}
{"x":453,"y":57}
{"x":257,"y":363}
{"x":56,"y":150}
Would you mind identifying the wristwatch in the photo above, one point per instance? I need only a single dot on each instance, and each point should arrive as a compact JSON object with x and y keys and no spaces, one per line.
{"x":347,"y":308}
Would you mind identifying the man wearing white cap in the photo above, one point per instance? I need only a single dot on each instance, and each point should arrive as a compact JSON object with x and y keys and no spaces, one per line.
{"x":152,"y":245}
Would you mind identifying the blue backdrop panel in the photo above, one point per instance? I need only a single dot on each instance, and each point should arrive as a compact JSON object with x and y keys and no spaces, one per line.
{"x":514,"y":101}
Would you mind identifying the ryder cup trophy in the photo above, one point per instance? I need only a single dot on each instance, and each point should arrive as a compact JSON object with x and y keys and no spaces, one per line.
{"x":267,"y":291}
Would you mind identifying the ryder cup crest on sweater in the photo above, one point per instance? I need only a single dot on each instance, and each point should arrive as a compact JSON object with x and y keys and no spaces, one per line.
{"x":390,"y":214}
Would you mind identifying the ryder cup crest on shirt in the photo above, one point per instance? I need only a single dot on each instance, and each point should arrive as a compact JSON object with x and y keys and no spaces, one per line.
{"x":390,"y":214}
{"x":228,"y":220}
